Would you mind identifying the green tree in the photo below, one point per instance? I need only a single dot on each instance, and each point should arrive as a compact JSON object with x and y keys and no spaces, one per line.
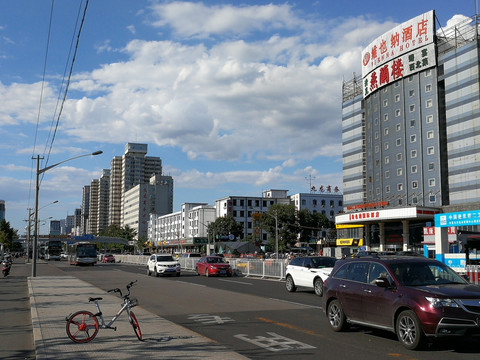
{"x":281,"y":217}
{"x":116,"y":231}
{"x":312,"y":224}
{"x":7,"y":235}
{"x":224,"y":226}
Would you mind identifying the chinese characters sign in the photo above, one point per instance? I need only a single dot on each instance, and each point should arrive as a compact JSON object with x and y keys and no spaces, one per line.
{"x":398,"y":68}
{"x":463,"y":218}
{"x":385,"y":60}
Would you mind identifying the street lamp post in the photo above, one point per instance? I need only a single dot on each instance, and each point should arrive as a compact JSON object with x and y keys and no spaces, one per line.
{"x":37,"y":188}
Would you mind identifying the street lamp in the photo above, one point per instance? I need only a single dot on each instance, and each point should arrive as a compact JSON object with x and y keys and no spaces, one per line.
{"x":30,"y":214}
{"x":37,"y":188}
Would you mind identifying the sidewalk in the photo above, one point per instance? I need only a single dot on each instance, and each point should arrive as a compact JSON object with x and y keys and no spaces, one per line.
{"x":52,"y":298}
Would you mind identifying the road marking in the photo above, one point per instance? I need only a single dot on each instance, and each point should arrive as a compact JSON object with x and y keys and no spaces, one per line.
{"x":237,"y":282}
{"x":275,"y":343}
{"x":297,"y":303}
{"x":189,"y":283}
{"x":288,"y":326}
{"x":209,"y":319}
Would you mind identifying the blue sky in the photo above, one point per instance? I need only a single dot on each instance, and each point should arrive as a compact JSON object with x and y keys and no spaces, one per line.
{"x":235,"y":97}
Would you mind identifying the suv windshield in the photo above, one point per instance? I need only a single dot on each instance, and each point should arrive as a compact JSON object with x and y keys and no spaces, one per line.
{"x":165,"y":258}
{"x":423,"y":274}
{"x":320,"y":262}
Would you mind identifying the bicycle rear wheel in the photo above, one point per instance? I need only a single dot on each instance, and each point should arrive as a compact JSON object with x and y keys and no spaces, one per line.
{"x":136,"y":327}
{"x":82,"y":326}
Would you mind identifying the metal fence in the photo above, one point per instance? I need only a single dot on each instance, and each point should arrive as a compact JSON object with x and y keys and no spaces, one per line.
{"x":269,"y":268}
{"x":473,"y":271}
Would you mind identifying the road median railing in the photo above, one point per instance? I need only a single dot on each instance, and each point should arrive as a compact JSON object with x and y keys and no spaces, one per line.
{"x":268,"y":268}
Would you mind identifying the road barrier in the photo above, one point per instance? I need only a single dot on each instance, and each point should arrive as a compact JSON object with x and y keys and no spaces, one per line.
{"x":472,"y":272}
{"x":268,"y":268}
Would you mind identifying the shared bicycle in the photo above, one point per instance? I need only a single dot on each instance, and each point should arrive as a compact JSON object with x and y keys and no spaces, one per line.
{"x":82,"y":326}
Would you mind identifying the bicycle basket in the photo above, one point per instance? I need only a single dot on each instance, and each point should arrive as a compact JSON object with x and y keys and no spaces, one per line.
{"x":133,"y":302}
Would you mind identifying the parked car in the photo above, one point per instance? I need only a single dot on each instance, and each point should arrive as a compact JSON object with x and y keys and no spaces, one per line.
{"x":191,"y":255}
{"x":213,"y":265}
{"x":63,"y":256}
{"x":417,"y":298}
{"x":108,"y":258}
{"x":309,"y":272}
{"x":163,"y":264}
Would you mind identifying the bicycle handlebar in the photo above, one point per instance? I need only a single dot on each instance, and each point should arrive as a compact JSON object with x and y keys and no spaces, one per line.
{"x":129,"y":285}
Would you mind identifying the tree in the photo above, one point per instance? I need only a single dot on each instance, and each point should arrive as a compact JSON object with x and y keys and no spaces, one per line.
{"x":116,"y":231}
{"x":224,"y":226}
{"x":281,"y":217}
{"x":312,"y":225}
{"x":7,"y":235}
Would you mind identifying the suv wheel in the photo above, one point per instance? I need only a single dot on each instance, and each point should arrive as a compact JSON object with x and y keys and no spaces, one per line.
{"x":409,"y":330}
{"x":155,"y":272}
{"x":318,"y":286}
{"x":290,"y":284}
{"x":336,"y":316}
{"x":148,"y":271}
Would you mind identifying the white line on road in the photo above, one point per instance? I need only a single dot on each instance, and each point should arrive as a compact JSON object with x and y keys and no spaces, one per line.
{"x":189,"y":283}
{"x":237,"y":282}
{"x":296,"y":303}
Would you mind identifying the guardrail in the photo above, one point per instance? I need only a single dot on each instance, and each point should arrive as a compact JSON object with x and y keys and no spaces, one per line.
{"x":268,"y":268}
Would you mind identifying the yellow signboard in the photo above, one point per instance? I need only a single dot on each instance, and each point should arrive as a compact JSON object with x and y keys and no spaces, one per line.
{"x":350,"y":242}
{"x":348,"y":226}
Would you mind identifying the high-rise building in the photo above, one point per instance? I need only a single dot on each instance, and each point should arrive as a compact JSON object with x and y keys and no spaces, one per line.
{"x":410,"y":145}
{"x":85,"y":209}
{"x":132,"y":169}
{"x":2,"y":210}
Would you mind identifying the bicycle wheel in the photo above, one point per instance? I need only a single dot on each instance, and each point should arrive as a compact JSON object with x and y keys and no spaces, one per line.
{"x":82,"y":326}
{"x":136,"y":327}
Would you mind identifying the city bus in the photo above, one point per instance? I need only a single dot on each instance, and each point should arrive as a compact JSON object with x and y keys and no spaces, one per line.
{"x":82,"y":253}
{"x":52,"y":250}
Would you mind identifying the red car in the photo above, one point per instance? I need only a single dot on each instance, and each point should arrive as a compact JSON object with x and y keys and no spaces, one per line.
{"x":109,"y":258}
{"x":213,"y":265}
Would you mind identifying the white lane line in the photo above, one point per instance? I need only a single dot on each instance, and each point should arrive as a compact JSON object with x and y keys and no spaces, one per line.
{"x":237,"y":282}
{"x":296,"y":303}
{"x":189,"y":283}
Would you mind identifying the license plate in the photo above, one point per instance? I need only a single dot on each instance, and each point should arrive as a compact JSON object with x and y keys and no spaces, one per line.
{"x":222,"y":272}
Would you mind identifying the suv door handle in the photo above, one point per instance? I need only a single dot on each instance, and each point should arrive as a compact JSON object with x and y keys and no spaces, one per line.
{"x":367,"y":291}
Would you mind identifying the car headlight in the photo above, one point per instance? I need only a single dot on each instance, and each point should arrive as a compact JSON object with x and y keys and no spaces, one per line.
{"x":437,"y":303}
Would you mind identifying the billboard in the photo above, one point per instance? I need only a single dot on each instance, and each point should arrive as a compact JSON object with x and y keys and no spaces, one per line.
{"x":404,"y":50}
{"x":463,"y":218}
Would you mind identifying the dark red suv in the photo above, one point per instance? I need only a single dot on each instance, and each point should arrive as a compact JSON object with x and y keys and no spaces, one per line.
{"x":415,"y":297}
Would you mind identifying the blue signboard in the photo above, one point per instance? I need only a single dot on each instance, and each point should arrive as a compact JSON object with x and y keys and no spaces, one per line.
{"x":463,"y":218}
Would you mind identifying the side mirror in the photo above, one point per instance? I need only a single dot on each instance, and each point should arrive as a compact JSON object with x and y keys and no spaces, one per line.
{"x":382,"y":282}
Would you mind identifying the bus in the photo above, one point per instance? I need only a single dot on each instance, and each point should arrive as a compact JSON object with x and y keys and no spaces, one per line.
{"x":52,"y":249}
{"x":82,"y":253}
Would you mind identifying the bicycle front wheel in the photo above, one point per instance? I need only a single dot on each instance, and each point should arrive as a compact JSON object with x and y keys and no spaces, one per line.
{"x":136,"y":327}
{"x":82,"y":326}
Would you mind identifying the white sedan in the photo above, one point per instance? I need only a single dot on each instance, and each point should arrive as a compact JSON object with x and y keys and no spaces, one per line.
{"x":162,"y":264}
{"x":309,"y":272}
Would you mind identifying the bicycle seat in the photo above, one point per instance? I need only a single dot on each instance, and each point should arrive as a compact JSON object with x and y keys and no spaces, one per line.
{"x":94,"y":299}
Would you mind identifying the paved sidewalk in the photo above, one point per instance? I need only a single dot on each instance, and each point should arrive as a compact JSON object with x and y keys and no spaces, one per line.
{"x":52,"y":298}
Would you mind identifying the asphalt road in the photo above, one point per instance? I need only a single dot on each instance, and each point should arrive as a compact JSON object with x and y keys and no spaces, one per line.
{"x":259,"y":318}
{"x":256,"y":318}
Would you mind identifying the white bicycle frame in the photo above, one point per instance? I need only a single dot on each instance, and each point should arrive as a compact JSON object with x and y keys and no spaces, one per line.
{"x":126,"y":306}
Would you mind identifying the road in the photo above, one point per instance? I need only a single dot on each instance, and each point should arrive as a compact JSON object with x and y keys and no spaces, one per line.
{"x":258,"y":318}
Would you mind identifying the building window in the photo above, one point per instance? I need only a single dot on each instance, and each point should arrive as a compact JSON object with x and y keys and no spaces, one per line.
{"x":386,"y":146}
{"x":429,"y":119}
{"x":385,"y":131}
{"x":428,"y":72}
{"x":397,"y":84}
{"x":430,"y":150}
{"x":322,"y":203}
{"x":387,"y":159}
{"x":413,"y":138}
{"x":413,"y":153}
{"x":414,"y":184}
{"x":385,"y":117}
{"x":411,"y":108}
{"x":399,"y":172}
{"x":399,"y":127}
{"x":377,"y":191}
{"x":432,"y":198}
{"x":410,"y":78}
{"x":398,"y":142}
{"x":411,"y":92}
{"x":397,"y":98}
{"x":398,"y":113}
{"x":314,"y":202}
{"x":387,"y":174}
{"x":413,"y":169}
{"x":377,"y":149}
{"x":400,"y":187}
{"x":385,"y":103}
{"x":399,"y":156}
{"x":431,"y":166}
{"x":376,"y":134}
{"x":429,"y":134}
{"x":387,"y":189}
{"x":412,"y":123}
{"x":428,"y":87}
{"x":431,"y":182}
{"x":429,"y":103}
